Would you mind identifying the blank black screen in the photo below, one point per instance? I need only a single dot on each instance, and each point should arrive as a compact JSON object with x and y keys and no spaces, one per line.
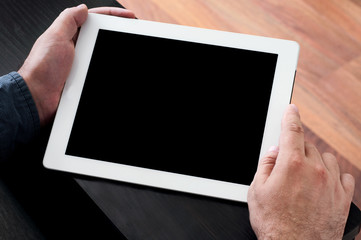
{"x":172,"y":105}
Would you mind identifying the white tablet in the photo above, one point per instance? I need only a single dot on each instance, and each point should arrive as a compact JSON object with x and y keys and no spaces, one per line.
{"x":171,"y":106}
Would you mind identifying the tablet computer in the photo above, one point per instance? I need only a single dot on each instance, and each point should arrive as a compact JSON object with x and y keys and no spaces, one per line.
{"x":171,"y":106}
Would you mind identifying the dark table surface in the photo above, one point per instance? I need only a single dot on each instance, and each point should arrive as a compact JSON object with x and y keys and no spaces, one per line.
{"x":40,"y":203}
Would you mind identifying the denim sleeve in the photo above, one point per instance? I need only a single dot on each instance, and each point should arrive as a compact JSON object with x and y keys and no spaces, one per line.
{"x":19,"y":119}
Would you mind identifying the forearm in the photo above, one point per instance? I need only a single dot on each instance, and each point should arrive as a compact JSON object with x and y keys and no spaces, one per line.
{"x":19,"y":120}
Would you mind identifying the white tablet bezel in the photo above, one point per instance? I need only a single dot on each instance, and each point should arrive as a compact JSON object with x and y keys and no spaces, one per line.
{"x":55,"y":157}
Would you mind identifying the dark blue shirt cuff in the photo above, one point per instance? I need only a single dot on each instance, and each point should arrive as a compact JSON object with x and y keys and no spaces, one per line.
{"x":19,"y":118}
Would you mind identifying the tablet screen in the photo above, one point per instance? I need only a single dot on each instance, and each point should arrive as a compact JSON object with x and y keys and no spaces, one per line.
{"x":175,"y":106}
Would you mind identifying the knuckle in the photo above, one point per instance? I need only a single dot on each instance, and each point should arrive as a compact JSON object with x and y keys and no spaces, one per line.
{"x":65,"y":11}
{"x":296,"y":161}
{"x":321,"y":177}
{"x":295,"y":127}
{"x":321,"y":172}
{"x":269,"y":158}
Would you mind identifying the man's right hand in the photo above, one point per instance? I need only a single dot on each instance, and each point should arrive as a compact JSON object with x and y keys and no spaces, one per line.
{"x":297,"y":193}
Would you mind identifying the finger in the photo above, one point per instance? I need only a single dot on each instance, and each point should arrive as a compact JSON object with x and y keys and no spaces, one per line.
{"x":266,"y":164}
{"x":311,"y":152}
{"x":292,"y":135}
{"x":66,"y":25}
{"x":331,"y":164}
{"x":348,"y":183}
{"x":114,"y":11}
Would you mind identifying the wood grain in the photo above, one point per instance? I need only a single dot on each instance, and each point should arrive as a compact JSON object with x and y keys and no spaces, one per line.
{"x":328,"y":83}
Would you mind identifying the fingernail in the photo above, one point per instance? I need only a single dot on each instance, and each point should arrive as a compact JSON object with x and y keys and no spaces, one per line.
{"x":295,"y":108}
{"x":273,"y":149}
{"x":81,"y":5}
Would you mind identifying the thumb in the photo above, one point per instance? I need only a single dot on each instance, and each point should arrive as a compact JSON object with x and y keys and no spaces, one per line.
{"x":67,"y":23}
{"x":266,"y":164}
